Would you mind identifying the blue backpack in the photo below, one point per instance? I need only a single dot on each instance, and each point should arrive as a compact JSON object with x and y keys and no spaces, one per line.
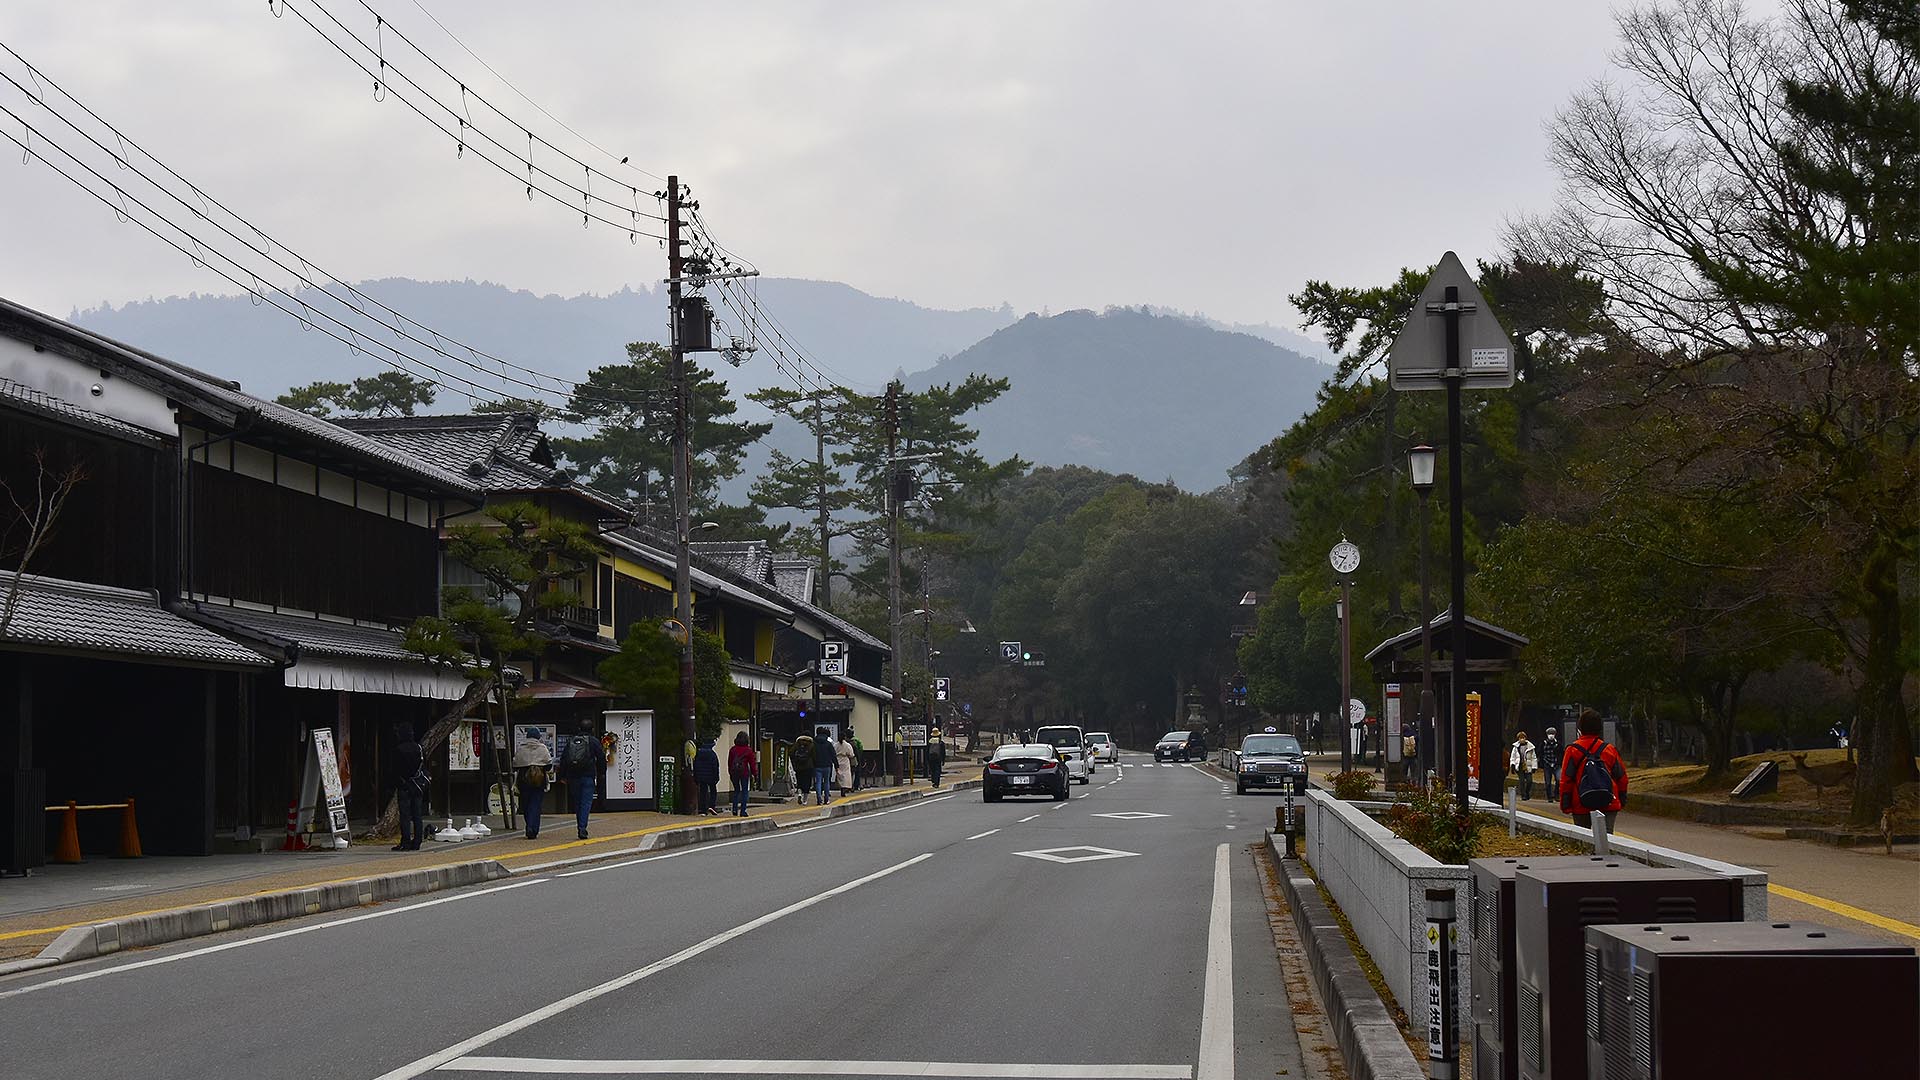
{"x":1593,"y":783}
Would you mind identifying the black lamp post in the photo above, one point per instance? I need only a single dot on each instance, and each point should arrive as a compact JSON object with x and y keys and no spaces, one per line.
{"x":1420,"y":472}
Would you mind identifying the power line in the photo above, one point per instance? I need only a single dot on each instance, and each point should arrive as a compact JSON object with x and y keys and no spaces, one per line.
{"x":463,"y":125}
{"x":203,"y":210}
{"x":523,"y":96}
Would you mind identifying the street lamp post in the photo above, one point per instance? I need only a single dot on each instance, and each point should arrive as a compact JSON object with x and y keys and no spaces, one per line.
{"x":1420,"y":473}
{"x":1345,"y":559}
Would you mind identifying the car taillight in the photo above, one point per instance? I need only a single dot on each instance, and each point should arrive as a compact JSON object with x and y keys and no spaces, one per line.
{"x":996,"y":766}
{"x":1045,"y":765}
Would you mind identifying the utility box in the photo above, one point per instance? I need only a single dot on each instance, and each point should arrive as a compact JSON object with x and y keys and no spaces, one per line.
{"x":1551,"y":911}
{"x":1491,"y":1010}
{"x":1747,"y":999}
{"x":696,"y":324}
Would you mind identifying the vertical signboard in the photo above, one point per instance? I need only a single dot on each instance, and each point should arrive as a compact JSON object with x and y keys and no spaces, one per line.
{"x":1473,"y":742}
{"x":322,"y":784}
{"x":629,"y":777}
{"x":1443,"y":980}
{"x":463,"y":747}
{"x":1392,"y":719}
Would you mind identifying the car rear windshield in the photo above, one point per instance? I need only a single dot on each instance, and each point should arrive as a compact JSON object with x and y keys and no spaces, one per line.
{"x":1097,"y":736}
{"x":1058,"y":736}
{"x":1013,"y":750}
{"x":1270,"y":744}
{"x":1174,"y":736}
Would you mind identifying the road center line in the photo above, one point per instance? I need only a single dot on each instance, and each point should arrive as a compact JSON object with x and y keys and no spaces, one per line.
{"x":756,"y":1067}
{"x":981,"y":835}
{"x":244,"y":942}
{"x":1216,"y":1008}
{"x":546,"y":1012}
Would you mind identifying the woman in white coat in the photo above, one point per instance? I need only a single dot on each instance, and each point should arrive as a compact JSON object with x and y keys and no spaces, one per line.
{"x":843,"y":764}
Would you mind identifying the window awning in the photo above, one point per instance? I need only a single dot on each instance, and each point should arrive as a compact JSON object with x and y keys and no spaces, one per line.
{"x":352,"y":676}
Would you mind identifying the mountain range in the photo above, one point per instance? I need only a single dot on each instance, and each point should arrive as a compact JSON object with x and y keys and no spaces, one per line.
{"x":1161,"y":394}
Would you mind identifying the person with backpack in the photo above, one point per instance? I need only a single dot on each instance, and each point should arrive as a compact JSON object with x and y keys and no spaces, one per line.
{"x":936,"y":756}
{"x":802,"y":761}
{"x":1592,"y":779}
{"x":742,"y":766}
{"x":824,"y":759}
{"x":706,"y":777}
{"x":1550,"y":762}
{"x":859,"y":759}
{"x":533,"y":765}
{"x":410,"y":788}
{"x":581,"y":765}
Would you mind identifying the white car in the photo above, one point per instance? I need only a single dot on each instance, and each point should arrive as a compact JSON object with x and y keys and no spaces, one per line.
{"x":1104,"y":748}
{"x":1071,"y":743}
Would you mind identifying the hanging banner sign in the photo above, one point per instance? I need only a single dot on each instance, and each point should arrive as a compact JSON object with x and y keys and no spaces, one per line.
{"x":463,"y":747}
{"x":1473,"y":742}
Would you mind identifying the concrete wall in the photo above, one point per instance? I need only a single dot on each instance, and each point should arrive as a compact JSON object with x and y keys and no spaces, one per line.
{"x":1380,"y":882}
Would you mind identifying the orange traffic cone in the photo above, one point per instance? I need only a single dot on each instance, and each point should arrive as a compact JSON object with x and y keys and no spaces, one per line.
{"x":66,"y":849}
{"x":129,"y":833}
{"x":293,"y":841}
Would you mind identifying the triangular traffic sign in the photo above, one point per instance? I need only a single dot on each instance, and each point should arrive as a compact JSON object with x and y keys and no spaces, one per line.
{"x":1418,"y":357}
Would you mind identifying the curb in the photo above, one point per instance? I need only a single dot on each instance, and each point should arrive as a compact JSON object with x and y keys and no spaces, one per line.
{"x":1845,"y":838}
{"x":141,"y":931}
{"x":1370,"y":1043}
{"x":160,"y":928}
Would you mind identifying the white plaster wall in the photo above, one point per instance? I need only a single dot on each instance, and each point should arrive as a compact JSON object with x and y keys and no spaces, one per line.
{"x":73,"y":382}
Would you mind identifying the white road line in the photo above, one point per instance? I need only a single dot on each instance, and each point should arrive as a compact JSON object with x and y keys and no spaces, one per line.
{"x":244,"y":942}
{"x":1216,"y":1008}
{"x":546,"y":1012}
{"x":1058,"y":806}
{"x":755,"y":1067}
{"x":791,"y":830}
{"x":982,"y":835}
{"x":1024,"y":820}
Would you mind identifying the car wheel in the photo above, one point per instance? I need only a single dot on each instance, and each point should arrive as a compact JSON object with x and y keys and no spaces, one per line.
{"x":1241,"y":789}
{"x":1061,"y":795}
{"x":989,"y":795}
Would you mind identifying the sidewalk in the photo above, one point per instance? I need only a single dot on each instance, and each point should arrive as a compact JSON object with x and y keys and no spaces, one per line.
{"x":1860,"y":889}
{"x":34,"y":910}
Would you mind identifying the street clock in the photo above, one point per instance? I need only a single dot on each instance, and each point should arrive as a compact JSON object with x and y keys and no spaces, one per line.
{"x":1344,"y":557}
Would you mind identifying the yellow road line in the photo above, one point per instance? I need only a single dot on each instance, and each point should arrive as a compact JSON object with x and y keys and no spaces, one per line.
{"x":48,"y":930}
{"x":1846,"y":911}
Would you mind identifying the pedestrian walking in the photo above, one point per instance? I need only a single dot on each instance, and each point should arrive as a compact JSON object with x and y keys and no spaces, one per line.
{"x":859,"y":760}
{"x":1592,"y":779}
{"x":802,"y":761}
{"x":1550,"y":762}
{"x":742,"y":766}
{"x":1522,"y":758}
{"x":411,"y":788}
{"x":580,"y":766}
{"x":936,"y":755}
{"x":824,"y":758}
{"x":843,"y":765}
{"x":706,"y":777}
{"x":533,"y":774}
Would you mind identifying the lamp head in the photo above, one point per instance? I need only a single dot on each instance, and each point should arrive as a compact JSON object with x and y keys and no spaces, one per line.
{"x":1420,"y":467}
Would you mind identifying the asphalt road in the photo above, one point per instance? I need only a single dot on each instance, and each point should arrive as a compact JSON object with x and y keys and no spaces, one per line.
{"x":1026,"y":938}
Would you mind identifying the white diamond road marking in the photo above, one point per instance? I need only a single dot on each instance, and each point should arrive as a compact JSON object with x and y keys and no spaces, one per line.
{"x":1093,"y":854}
{"x":1129,"y":815}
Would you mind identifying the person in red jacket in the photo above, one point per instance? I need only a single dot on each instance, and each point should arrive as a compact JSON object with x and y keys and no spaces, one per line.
{"x":742,"y":766}
{"x":1591,"y":745}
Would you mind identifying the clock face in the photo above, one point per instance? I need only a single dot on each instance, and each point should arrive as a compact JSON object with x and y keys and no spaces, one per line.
{"x":1344,"y":557}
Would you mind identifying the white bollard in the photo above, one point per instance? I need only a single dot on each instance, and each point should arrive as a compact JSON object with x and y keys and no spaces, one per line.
{"x":1513,"y":812}
{"x":1599,"y":833}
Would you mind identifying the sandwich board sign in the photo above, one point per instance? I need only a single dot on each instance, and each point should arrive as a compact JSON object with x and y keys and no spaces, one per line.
{"x":321,"y":779}
{"x":1417,"y":360}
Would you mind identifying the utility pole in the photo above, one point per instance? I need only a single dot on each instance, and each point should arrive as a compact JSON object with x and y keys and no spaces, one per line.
{"x":893,"y":549}
{"x":682,"y":487}
{"x":820,"y":493}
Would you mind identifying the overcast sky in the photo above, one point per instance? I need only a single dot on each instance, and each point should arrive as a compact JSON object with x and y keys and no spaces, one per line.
{"x":1203,"y":155}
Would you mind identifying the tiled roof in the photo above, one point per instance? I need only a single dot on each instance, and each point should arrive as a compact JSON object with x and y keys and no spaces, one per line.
{"x":318,"y":637}
{"x":793,"y":578}
{"x":501,"y":452}
{"x":32,"y":400}
{"x":751,"y":559}
{"x":122,"y":624}
{"x":223,"y":395}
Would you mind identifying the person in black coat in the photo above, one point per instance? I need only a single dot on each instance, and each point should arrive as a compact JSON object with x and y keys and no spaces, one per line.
{"x":706,"y":775}
{"x":410,"y":786}
{"x":824,"y":757}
